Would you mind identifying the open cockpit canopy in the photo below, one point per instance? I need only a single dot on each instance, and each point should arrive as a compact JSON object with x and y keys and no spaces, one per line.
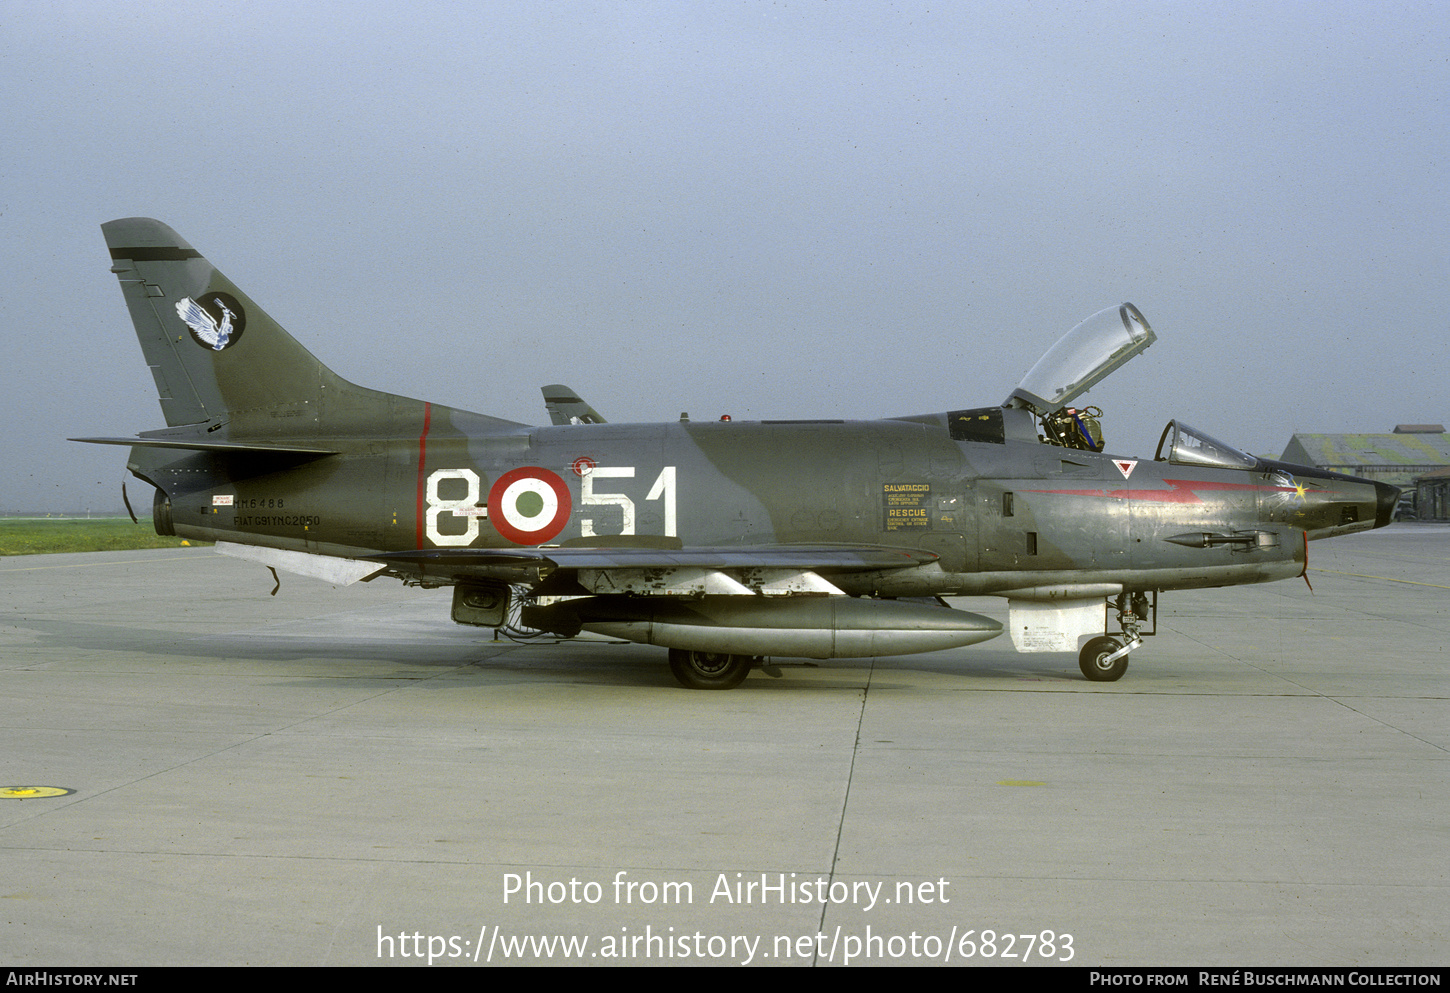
{"x":1084,"y":357}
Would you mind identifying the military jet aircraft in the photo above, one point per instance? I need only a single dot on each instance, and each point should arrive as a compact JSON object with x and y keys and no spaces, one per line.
{"x":724,"y":541}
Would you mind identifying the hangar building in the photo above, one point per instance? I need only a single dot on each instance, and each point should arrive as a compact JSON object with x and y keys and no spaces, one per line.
{"x":1414,"y":457}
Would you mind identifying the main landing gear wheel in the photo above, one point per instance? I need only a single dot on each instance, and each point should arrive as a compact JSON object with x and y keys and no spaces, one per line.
{"x":709,"y":670}
{"x":1093,"y":660}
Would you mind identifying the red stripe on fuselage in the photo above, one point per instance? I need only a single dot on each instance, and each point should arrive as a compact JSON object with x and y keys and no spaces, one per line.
{"x":422,"y":457}
{"x":1182,"y":491}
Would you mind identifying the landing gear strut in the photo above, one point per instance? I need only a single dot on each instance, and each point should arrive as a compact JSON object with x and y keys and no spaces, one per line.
{"x":1105,"y":659}
{"x":709,"y":670}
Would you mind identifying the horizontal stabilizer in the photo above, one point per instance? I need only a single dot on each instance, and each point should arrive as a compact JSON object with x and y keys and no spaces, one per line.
{"x":219,"y":447}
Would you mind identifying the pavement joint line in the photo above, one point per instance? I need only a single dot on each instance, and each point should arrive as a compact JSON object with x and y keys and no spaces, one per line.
{"x":1388,"y":579}
{"x":846,"y":799}
{"x":94,"y":565}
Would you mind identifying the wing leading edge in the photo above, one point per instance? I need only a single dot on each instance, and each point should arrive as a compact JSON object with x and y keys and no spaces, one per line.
{"x":739,"y":570}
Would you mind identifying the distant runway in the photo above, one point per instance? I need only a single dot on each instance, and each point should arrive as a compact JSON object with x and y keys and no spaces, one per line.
{"x":345,"y":777}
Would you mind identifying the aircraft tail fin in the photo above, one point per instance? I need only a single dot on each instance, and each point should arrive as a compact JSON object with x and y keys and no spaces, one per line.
{"x":216,"y":356}
{"x":567,"y":407}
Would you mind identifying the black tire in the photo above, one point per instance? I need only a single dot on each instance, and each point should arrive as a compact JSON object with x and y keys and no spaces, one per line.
{"x":1091,"y":660}
{"x":709,"y":670}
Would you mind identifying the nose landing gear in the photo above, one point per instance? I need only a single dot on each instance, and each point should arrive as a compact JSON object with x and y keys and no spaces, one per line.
{"x":1105,"y":659}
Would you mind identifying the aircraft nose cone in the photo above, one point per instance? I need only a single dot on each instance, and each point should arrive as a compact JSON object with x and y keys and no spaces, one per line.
{"x":1386,"y":498}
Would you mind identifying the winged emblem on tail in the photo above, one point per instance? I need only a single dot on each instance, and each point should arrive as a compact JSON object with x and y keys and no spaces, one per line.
{"x":206,"y":328}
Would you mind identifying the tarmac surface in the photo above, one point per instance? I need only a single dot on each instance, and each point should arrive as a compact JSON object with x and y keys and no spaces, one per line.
{"x":344,"y":777}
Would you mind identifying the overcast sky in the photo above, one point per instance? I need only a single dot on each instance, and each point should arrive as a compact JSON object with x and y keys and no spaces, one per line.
{"x":767,"y":209}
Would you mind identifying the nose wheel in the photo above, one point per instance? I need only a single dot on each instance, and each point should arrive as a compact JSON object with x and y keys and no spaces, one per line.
{"x":1103,"y":660}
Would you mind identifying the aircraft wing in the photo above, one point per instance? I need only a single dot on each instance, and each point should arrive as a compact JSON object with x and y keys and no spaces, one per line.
{"x":733,"y":569}
{"x":868,"y":557}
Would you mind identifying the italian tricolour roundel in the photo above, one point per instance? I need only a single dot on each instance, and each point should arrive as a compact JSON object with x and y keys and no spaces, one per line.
{"x":529,"y":506}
